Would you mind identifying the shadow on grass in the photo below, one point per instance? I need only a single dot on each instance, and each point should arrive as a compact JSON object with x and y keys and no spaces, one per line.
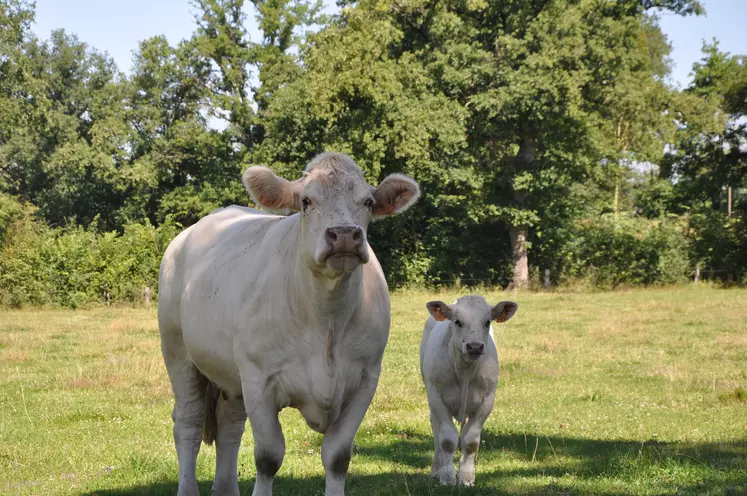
{"x":534,"y":465}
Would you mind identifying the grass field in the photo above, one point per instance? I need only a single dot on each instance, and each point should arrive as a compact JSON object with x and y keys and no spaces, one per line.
{"x":640,"y":392}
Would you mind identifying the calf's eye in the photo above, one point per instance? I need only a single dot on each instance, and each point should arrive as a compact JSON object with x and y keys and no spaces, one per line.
{"x":305,"y":202}
{"x":458,"y":323}
{"x":369,"y":203}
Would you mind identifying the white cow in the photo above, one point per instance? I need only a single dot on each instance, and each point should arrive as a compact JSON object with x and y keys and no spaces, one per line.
{"x":260,"y":312}
{"x":459,"y":366}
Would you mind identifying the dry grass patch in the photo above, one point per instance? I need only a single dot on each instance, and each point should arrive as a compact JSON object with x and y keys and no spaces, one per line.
{"x":14,"y":355}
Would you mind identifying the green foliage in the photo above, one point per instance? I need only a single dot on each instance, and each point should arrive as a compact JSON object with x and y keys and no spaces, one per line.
{"x":709,"y":153}
{"x":720,"y":244}
{"x":524,"y":122}
{"x":610,"y":252}
{"x":10,"y":211}
{"x":70,"y":267}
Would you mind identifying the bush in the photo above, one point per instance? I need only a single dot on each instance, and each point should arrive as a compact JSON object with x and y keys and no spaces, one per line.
{"x":70,"y":267}
{"x":609,"y":252}
{"x":720,"y":244}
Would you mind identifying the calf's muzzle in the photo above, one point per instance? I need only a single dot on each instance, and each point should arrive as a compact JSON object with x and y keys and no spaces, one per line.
{"x":475,"y":349}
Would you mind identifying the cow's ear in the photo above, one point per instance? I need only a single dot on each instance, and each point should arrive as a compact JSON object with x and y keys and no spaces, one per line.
{"x":395,"y":194}
{"x":440,"y":310}
{"x":274,"y":193}
{"x":503,"y":311}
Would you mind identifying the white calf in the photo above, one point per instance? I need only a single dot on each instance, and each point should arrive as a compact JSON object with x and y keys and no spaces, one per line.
{"x":459,"y":365}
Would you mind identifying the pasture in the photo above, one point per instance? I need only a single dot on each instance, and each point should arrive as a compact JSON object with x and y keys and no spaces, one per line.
{"x":635,"y":392}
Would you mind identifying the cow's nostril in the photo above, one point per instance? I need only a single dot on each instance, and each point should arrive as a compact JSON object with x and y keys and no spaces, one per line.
{"x":357,"y":235}
{"x":331,"y":235}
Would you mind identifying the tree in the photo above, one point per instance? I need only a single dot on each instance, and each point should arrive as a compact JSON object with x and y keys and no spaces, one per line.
{"x":511,"y":100}
{"x":709,"y":155}
{"x":709,"y":160}
{"x":222,"y":39}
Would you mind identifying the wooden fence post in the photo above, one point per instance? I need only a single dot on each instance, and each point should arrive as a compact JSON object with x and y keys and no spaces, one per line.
{"x":547,"y":279}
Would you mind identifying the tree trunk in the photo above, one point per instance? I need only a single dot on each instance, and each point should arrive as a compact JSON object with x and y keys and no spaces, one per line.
{"x":519,"y":256}
{"x":518,"y":233}
{"x":616,"y":198}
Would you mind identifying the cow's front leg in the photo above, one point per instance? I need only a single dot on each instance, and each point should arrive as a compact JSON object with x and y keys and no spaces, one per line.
{"x":471,"y":441}
{"x":337,"y":445}
{"x":269,"y":443}
{"x":447,"y":436}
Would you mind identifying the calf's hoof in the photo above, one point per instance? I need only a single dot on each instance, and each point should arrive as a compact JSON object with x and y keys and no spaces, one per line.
{"x":435,"y":470}
{"x":467,"y":477}
{"x":447,"y":477}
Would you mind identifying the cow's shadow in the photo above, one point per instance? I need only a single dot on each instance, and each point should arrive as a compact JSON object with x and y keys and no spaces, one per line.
{"x":716,"y":468}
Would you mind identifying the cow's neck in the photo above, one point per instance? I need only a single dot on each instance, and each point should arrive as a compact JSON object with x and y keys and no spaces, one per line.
{"x":327,"y":302}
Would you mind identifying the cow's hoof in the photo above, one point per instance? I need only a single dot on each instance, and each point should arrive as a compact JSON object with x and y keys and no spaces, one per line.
{"x":230,"y":490}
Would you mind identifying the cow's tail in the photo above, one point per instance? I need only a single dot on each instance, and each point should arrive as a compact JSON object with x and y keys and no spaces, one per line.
{"x":210,"y":427}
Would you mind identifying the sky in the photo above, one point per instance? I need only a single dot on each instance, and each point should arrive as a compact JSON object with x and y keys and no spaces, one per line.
{"x":116,"y":27}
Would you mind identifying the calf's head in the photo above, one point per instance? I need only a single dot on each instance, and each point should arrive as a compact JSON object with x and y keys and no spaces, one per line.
{"x":469,"y":321}
{"x":336,"y":205}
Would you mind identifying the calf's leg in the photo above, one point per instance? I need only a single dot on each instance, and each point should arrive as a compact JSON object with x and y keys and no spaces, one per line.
{"x":471,"y":441}
{"x":437,"y":458}
{"x":447,"y":436}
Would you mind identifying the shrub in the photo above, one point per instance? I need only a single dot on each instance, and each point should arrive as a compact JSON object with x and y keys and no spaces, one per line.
{"x":610,"y":252}
{"x":70,"y":267}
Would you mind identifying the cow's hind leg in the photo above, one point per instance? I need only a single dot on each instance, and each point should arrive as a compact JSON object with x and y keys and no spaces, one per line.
{"x":231,"y":418}
{"x":189,"y":409}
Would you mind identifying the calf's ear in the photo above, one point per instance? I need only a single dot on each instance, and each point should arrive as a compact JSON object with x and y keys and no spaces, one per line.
{"x":274,"y":193}
{"x":440,"y":310}
{"x":395,"y":194}
{"x":503,"y":311}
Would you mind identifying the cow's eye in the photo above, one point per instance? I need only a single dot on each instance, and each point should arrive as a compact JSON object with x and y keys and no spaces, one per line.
{"x":305,"y":202}
{"x":369,"y":203}
{"x":458,"y":323}
{"x":487,"y":323}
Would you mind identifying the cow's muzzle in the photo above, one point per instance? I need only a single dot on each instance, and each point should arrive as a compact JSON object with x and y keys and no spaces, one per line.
{"x":346,"y":248}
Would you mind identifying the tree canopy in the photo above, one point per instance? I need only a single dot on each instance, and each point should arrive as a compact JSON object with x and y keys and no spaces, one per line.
{"x":543,"y":132}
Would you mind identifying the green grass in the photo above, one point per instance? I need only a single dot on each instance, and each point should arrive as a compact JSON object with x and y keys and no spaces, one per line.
{"x":638,"y":392}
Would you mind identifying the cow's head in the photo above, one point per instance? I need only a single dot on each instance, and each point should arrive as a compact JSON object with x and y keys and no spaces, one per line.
{"x":469,"y":320}
{"x":336,"y":206}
